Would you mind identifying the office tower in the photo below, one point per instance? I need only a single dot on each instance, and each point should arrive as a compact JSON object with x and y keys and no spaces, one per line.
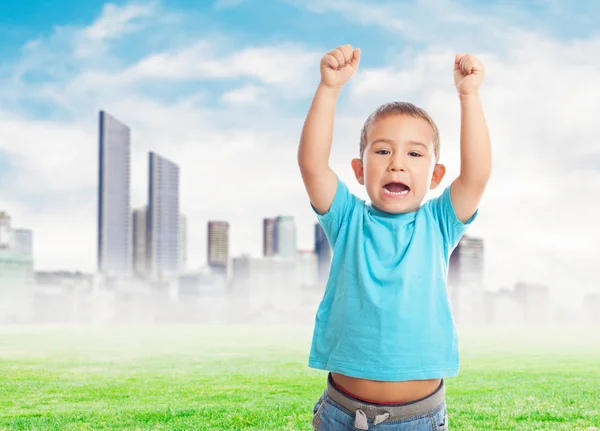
{"x":269,"y":237}
{"x":286,"y":237}
{"x":323,"y":251}
{"x":140,"y":243}
{"x":465,"y":281}
{"x":163,"y":217}
{"x":114,"y":211}
{"x":218,"y":246}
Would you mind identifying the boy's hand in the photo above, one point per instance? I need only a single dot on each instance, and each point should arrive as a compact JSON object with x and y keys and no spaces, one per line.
{"x":338,"y":66}
{"x":468,"y":74}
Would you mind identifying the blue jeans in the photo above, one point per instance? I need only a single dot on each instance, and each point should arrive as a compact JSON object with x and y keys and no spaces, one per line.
{"x":337,"y":411}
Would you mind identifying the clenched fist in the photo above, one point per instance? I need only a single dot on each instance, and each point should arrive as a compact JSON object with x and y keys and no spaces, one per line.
{"x":468,"y":74}
{"x":338,"y":66}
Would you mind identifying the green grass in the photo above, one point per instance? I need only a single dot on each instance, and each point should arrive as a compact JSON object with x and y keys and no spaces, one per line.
{"x":256,"y":378}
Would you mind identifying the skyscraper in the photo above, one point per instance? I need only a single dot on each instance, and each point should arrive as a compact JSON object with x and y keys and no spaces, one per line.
{"x":286,"y":237}
{"x":140,"y":243}
{"x":323,"y":252}
{"x":163,"y":217}
{"x":218,"y":246}
{"x":269,"y":237}
{"x":114,"y":211}
{"x":465,"y":280}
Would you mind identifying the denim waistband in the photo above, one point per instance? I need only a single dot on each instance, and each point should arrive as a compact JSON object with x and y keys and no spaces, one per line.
{"x":393,"y":412}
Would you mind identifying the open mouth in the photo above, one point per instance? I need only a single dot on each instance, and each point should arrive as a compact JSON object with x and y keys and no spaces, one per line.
{"x":396,"y":189}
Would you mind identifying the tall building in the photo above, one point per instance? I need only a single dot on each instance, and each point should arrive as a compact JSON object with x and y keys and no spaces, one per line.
{"x":114,"y":211}
{"x":465,"y":281}
{"x":182,"y":243}
{"x":269,"y":237}
{"x":218,"y":246}
{"x":140,"y":243}
{"x":23,"y":241}
{"x":323,"y":252}
{"x":286,"y":237}
{"x":163,"y":217}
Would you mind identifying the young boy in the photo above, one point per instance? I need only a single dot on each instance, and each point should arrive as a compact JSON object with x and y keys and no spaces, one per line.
{"x":384,"y":328}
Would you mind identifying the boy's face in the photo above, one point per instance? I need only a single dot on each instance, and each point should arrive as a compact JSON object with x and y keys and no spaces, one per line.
{"x":398,"y":166}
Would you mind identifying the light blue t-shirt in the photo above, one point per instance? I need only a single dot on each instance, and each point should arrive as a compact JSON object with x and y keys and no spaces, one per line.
{"x":385,"y":313}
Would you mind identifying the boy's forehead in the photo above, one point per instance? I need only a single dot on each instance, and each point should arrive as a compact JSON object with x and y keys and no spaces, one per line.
{"x":399,"y":128}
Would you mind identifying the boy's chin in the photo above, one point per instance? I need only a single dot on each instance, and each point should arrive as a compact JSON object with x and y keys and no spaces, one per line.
{"x":393,"y":207}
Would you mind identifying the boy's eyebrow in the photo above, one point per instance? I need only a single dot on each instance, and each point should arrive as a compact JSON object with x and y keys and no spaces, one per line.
{"x":391,"y":141}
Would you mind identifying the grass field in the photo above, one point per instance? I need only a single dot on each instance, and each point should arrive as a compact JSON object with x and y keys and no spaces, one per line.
{"x":256,"y":378}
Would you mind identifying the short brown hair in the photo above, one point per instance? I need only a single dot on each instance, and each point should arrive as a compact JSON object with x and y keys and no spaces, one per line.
{"x":399,"y":108}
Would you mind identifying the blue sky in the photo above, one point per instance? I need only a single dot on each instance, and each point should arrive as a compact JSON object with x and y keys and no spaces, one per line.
{"x":255,"y":21}
{"x":312,"y":24}
{"x":221,"y":88}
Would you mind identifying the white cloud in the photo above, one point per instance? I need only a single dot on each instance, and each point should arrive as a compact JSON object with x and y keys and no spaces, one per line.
{"x":275,"y":65}
{"x":421,"y":20}
{"x":117,"y":21}
{"x":247,"y":94}
{"x":73,"y":87}
{"x":45,"y":153}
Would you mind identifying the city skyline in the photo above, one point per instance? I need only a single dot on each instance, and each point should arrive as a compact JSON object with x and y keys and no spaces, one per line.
{"x":273,"y":286}
{"x":228,"y":107}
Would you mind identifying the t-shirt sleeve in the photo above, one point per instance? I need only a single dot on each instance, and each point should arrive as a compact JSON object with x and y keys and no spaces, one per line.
{"x":341,"y":207}
{"x":451,"y":227}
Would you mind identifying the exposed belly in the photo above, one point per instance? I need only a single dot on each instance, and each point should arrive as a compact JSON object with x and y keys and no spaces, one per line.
{"x":387,"y":392}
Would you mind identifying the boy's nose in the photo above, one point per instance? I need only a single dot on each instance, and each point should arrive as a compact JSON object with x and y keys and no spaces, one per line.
{"x":397,"y":164}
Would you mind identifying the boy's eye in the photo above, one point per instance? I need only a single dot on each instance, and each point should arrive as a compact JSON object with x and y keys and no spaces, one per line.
{"x":382,"y":152}
{"x":414,"y":154}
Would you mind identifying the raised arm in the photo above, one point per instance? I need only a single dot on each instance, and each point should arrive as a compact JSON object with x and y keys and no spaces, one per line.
{"x":320,"y":181}
{"x":475,"y":148}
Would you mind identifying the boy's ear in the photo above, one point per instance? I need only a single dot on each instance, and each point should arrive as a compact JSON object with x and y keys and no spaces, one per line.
{"x":359,"y":171}
{"x":438,"y":175}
